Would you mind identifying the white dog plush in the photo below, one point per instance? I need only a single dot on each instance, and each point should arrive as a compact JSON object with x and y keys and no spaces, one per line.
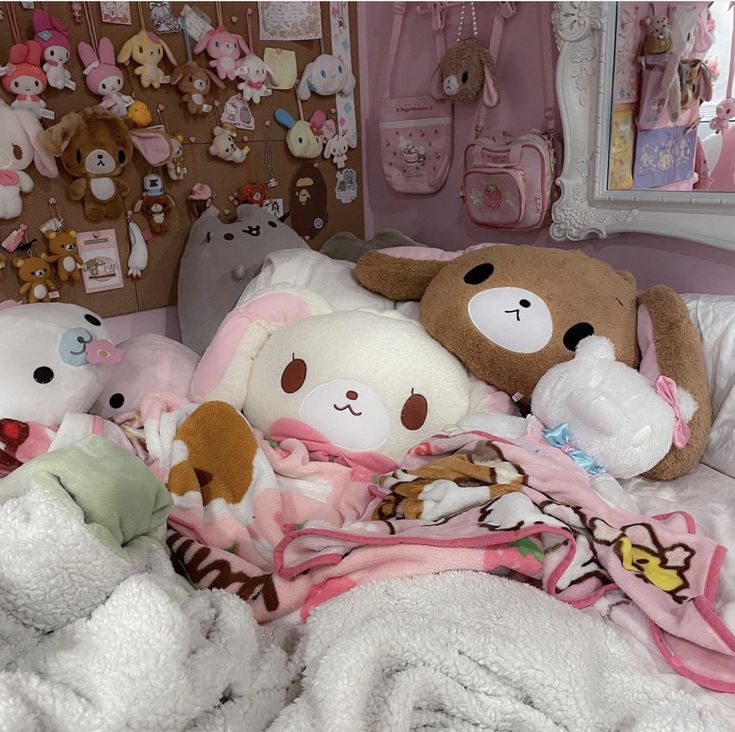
{"x":359,"y":380}
{"x":55,"y":360}
{"x":325,"y":75}
{"x":611,"y":412}
{"x":254,"y":74}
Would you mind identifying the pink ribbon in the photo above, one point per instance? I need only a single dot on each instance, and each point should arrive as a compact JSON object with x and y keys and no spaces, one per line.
{"x":666,"y":389}
{"x":9,"y":178}
{"x":321,"y":450}
{"x":255,"y":84}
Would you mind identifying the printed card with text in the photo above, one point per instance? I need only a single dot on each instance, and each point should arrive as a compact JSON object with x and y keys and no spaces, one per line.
{"x":102,"y":270}
{"x":117,"y":13}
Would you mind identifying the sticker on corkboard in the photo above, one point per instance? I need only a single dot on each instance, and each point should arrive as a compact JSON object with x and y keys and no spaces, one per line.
{"x":162,"y":19}
{"x":346,"y":189}
{"x":98,"y":250}
{"x":308,"y":196}
{"x":290,"y":21}
{"x":117,"y":13}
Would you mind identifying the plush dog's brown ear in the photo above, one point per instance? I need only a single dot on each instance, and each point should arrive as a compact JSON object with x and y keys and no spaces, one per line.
{"x":680,"y":356}
{"x":395,"y":277}
{"x":56,"y":138}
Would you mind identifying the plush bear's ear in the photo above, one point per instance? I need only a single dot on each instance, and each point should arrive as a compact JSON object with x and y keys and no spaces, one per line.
{"x":490,"y":96}
{"x":224,"y":371}
{"x":397,"y":277}
{"x":56,"y":138}
{"x":675,"y":350}
{"x":437,"y":90}
{"x":628,"y":277}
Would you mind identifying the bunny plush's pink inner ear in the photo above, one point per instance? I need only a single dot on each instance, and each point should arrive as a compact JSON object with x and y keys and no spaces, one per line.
{"x":225,"y":366}
{"x":490,"y":96}
{"x":153,"y":146}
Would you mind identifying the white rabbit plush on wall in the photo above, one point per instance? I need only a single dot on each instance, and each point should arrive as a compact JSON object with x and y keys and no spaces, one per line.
{"x":19,"y":148}
{"x":255,"y":74}
{"x":337,"y":147}
{"x":326,"y":75}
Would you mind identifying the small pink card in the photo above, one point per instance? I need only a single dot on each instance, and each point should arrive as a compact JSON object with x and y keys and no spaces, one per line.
{"x":116,"y":12}
{"x":102,"y":269}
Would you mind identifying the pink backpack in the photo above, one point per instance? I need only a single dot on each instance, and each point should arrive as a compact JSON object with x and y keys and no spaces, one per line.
{"x":415,"y":132}
{"x":508,"y":181}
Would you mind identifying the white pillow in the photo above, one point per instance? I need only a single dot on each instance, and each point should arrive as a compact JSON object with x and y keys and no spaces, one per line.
{"x":333,"y":279}
{"x":714,"y":316}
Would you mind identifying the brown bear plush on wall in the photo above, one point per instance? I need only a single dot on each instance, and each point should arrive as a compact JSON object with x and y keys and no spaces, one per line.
{"x":95,"y":146}
{"x":510,"y":313}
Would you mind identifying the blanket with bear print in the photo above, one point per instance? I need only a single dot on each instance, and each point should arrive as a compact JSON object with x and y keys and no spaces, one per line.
{"x":263,"y":519}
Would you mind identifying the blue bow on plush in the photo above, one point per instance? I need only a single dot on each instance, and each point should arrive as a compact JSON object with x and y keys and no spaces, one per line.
{"x":559,"y":437}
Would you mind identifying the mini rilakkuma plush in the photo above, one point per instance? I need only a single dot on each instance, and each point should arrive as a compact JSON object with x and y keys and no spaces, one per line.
{"x":153,"y":364}
{"x":56,"y":360}
{"x":658,"y":34}
{"x":95,"y":146}
{"x":155,"y":204}
{"x":53,"y":37}
{"x":194,"y":83}
{"x":611,"y":412}
{"x":224,"y":50}
{"x":19,"y":147}
{"x":36,"y":278}
{"x":465,"y":70}
{"x":175,"y":168}
{"x":295,"y":368}
{"x":254,"y":74}
{"x":510,"y":313}
{"x":337,"y":147}
{"x":219,"y":260}
{"x":24,"y":78}
{"x":224,"y":146}
{"x":300,"y":138}
{"x":103,"y":77}
{"x":63,"y":250}
{"x":325,"y":75}
{"x":146,"y":49}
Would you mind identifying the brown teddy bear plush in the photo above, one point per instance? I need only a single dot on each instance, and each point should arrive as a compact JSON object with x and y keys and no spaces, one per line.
{"x":512,"y":312}
{"x":194,"y":83}
{"x":35,"y":274}
{"x":95,"y":146}
{"x":462,"y":73}
{"x":63,"y":247}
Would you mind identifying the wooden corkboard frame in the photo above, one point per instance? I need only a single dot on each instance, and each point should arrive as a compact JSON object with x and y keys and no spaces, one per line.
{"x":157,"y":288}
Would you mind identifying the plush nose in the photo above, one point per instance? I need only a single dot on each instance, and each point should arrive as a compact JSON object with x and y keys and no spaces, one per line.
{"x":599,"y":411}
{"x":352,"y":395}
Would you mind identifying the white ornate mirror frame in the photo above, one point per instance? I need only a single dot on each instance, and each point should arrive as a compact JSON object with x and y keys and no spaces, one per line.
{"x":585,"y":36}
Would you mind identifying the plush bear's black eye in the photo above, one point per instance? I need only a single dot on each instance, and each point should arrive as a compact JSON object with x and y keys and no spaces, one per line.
{"x":465,"y":76}
{"x":79,"y":156}
{"x":92,"y":319}
{"x":117,"y":400}
{"x":121,"y":156}
{"x":575,"y":334}
{"x":229,"y":237}
{"x":479,"y":274}
{"x":273,"y":224}
{"x":43,"y":375}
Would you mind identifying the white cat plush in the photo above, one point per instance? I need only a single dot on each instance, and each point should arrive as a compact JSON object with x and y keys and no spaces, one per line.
{"x":612,"y":412}
{"x":359,"y":382}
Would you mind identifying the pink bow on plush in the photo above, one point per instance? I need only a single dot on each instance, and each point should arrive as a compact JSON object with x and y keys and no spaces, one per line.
{"x":666,"y":389}
{"x":322,"y":450}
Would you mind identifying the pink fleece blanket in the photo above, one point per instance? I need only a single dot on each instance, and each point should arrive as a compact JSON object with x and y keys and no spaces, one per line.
{"x":288,"y":533}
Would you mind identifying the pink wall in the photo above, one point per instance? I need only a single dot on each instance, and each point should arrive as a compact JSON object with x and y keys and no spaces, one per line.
{"x":438,"y":219}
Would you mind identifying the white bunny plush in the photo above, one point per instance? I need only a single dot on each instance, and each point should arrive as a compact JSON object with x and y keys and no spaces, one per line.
{"x":19,"y":148}
{"x":336,"y":148}
{"x":254,"y":73}
{"x":610,"y":411}
{"x":356,"y":381}
{"x":326,"y":75}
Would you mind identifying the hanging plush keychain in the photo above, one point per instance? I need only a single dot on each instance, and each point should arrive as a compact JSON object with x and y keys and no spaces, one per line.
{"x":147,"y":50}
{"x":466,"y":69}
{"x":224,"y":144}
{"x":37,"y":282}
{"x":253,"y":72}
{"x":325,"y":75}
{"x":176,"y":167}
{"x":138,"y":258}
{"x":62,"y":246}
{"x":193,"y":81}
{"x":300,"y":137}
{"x":101,"y":75}
{"x":155,"y":204}
{"x":53,"y":37}
{"x":223,"y":48}
{"x":24,"y":78}
{"x":337,"y":147}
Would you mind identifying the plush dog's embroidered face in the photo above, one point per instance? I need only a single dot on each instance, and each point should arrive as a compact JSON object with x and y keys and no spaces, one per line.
{"x":46,"y":368}
{"x":512,"y":312}
{"x":464,"y":70}
{"x":364,"y":381}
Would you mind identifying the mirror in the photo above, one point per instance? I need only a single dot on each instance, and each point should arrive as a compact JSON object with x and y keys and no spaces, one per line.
{"x":649,"y":134}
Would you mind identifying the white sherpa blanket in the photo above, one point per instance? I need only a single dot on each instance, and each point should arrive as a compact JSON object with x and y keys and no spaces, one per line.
{"x":470,"y":651}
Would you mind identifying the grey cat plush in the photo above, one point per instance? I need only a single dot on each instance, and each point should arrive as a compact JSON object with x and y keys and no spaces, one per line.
{"x":218,"y":262}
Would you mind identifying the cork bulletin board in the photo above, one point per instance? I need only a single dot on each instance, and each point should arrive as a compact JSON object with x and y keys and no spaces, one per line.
{"x":157,"y":288}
